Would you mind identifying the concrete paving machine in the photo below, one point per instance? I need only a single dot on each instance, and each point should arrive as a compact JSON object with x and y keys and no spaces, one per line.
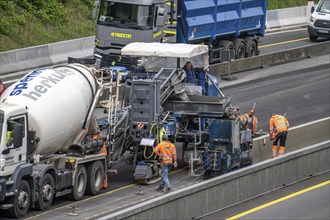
{"x":197,"y":116}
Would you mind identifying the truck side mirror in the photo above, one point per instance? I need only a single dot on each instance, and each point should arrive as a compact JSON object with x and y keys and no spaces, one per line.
{"x":18,"y":135}
{"x":160,"y":21}
{"x":96,"y":5}
{"x":312,"y":9}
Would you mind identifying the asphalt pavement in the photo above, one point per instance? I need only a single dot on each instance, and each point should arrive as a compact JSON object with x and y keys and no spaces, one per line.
{"x":299,"y":89}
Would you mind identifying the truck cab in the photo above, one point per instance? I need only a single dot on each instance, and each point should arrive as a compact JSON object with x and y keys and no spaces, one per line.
{"x":119,"y":22}
{"x":319,"y":22}
{"x":13,"y":138}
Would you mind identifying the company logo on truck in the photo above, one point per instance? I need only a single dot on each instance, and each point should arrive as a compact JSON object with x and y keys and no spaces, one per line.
{"x":46,"y":82}
{"x":121,"y":35}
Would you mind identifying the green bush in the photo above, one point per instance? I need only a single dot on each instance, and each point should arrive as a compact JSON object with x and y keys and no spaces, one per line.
{"x":25,"y":23}
{"x":276,"y":4}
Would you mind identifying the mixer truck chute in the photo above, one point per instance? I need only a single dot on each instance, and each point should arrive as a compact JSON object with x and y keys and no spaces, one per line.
{"x":47,"y":146}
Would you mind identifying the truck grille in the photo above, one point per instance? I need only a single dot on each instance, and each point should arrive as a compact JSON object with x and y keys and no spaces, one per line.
{"x":112,"y":47}
{"x":322,"y":24}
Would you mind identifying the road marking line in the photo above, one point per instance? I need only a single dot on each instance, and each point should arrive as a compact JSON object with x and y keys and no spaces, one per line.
{"x":287,"y":31}
{"x":284,"y":42}
{"x":278,"y":200}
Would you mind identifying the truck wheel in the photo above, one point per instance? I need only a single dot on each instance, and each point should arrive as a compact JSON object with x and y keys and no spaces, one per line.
{"x":239,"y":49}
{"x":79,"y":184}
{"x":184,"y":159}
{"x":46,"y":193}
{"x":227,"y":45}
{"x":313,"y":38}
{"x":21,"y":201}
{"x":251,"y":49}
{"x":95,"y":178}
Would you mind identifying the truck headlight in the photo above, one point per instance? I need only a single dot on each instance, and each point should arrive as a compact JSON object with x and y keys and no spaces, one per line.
{"x":311,"y":19}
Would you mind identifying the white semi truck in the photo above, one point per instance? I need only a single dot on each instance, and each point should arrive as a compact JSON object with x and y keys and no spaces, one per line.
{"x":46,"y":149}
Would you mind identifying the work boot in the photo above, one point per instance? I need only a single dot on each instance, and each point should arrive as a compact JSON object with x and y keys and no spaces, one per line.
{"x":274,"y":151}
{"x":167,"y":190}
{"x":160,"y":188}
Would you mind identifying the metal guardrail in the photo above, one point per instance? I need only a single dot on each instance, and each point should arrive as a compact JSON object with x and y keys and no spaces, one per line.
{"x":243,"y":184}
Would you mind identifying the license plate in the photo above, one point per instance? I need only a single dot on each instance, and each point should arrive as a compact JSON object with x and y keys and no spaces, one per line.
{"x":323,"y":31}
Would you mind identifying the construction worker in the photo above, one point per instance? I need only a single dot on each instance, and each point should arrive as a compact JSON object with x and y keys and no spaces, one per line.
{"x":278,"y":130}
{"x":190,"y":73}
{"x":249,"y":121}
{"x":167,"y":153}
{"x":10,"y":134}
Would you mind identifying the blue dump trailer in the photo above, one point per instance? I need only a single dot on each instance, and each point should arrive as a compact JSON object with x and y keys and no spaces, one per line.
{"x":221,"y":24}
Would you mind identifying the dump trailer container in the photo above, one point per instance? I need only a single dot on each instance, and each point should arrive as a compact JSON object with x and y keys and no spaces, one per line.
{"x":212,"y":20}
{"x":233,"y":25}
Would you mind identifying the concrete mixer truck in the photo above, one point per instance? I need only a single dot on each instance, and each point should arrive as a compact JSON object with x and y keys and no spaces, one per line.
{"x":46,"y":144}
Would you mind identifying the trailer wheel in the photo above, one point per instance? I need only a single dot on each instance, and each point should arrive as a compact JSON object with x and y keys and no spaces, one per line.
{"x":239,"y":49}
{"x":20,"y":201}
{"x":227,"y":45}
{"x":79,"y":187}
{"x":95,"y":178}
{"x":46,"y":193}
{"x":251,"y":49}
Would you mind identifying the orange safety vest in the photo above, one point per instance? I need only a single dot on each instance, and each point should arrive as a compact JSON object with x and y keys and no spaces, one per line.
{"x":166,"y":150}
{"x":278,"y":124}
{"x":251,"y":125}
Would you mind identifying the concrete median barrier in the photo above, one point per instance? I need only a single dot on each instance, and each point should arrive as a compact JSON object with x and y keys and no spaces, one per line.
{"x":197,"y":200}
{"x":27,"y":58}
{"x":286,"y":17}
{"x":271,"y":59}
{"x":59,"y":52}
{"x":45,"y":55}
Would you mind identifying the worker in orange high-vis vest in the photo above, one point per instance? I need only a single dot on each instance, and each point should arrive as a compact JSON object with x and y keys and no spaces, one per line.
{"x":167,"y":153}
{"x":278,"y":131}
{"x":249,"y":121}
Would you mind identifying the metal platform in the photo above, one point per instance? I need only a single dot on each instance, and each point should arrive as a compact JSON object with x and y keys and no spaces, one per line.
{"x":199,"y":105}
